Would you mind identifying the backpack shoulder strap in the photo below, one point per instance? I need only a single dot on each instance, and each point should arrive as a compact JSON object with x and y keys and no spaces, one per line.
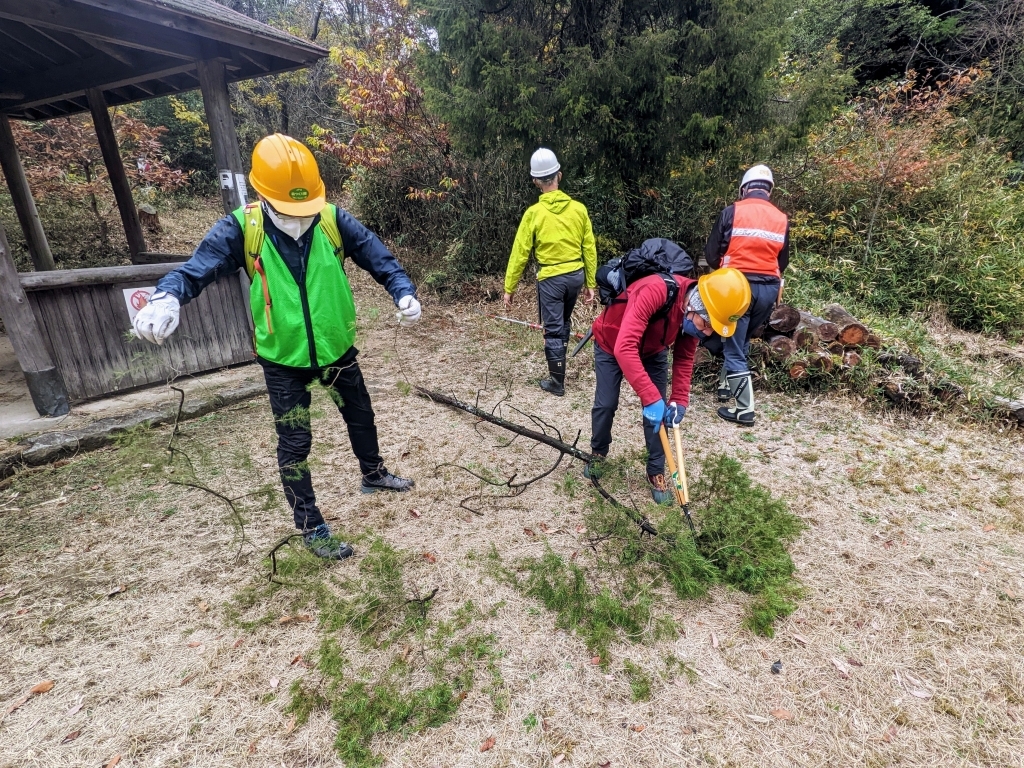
{"x":252,"y":228}
{"x":329,"y":226}
{"x":672,"y":290}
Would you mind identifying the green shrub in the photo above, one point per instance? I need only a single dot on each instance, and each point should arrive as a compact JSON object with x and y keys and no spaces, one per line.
{"x":742,"y":540}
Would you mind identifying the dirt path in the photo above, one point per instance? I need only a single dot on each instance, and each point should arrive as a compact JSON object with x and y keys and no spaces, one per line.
{"x":124,"y":589}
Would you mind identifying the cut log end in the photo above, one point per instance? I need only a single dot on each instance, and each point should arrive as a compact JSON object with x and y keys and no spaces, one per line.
{"x":822,"y":361}
{"x":784,"y":318}
{"x":852,"y":332}
{"x":854,"y":335}
{"x":824,"y":329}
{"x":781,"y":347}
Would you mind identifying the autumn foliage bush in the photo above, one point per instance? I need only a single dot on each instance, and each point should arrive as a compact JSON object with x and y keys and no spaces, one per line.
{"x":897,"y":206}
{"x":69,"y":181}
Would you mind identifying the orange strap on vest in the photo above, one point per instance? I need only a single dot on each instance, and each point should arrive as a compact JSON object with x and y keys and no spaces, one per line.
{"x":758,"y":234}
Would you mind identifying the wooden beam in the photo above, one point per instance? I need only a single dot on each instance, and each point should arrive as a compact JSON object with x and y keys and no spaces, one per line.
{"x":115,"y":170}
{"x":45,"y":384}
{"x":21,"y":194}
{"x":21,"y":41}
{"x":103,"y":25}
{"x":253,"y":61}
{"x":71,"y":278}
{"x":236,"y":33}
{"x":217,"y":102}
{"x":74,"y":77}
{"x":111,"y":50}
{"x":54,"y":40}
{"x":72,"y":86}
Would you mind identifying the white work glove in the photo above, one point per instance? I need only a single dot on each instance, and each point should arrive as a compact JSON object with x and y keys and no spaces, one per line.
{"x":410,"y":310}
{"x":158,"y":319}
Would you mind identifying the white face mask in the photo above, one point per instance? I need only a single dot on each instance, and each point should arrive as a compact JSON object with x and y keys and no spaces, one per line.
{"x":293,"y":226}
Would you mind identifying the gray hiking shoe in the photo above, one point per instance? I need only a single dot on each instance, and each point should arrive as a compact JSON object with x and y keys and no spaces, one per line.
{"x":660,"y":491}
{"x":385,"y":481}
{"x":320,"y":542}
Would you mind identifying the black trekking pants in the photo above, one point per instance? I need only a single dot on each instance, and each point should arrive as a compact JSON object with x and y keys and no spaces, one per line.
{"x":289,"y":390}
{"x":556,"y":299}
{"x":606,"y":402}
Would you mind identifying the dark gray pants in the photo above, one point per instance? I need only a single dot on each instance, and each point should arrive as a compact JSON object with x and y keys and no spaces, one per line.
{"x":556,"y":298}
{"x":606,"y":402}
{"x":737,"y":347}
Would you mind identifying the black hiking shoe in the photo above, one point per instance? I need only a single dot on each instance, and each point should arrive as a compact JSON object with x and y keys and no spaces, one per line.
{"x":320,"y":542}
{"x":385,"y":481}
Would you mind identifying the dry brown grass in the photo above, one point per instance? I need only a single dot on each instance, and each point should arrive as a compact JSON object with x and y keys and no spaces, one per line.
{"x":900,"y":575}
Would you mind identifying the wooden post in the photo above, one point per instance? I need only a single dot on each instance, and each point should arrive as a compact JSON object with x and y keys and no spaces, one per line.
{"x":217,"y":102}
{"x":45,"y":384}
{"x":115,"y":170}
{"x":24,"y":205}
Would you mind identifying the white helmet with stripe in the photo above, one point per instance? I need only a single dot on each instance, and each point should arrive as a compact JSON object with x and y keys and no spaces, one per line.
{"x":758,"y":173}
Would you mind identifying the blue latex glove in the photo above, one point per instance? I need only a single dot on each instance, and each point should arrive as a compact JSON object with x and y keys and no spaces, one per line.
{"x":674,"y":415}
{"x":654,"y":414}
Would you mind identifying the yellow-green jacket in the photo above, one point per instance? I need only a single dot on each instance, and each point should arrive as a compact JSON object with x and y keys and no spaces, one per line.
{"x":557,"y":229}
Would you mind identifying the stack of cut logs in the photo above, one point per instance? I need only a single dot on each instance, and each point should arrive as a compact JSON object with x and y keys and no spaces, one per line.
{"x":807,"y":343}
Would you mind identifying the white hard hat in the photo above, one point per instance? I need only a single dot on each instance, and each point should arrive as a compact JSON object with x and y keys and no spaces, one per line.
{"x":757,"y":173}
{"x":543,"y":164}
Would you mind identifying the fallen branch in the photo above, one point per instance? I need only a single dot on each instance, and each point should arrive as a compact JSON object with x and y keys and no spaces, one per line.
{"x":540,"y":437}
{"x":564,"y":448}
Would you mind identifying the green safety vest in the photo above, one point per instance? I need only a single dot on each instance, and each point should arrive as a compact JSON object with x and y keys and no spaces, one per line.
{"x":302,"y":326}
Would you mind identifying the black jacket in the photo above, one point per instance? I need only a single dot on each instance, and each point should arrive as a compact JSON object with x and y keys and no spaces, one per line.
{"x":718,"y":242}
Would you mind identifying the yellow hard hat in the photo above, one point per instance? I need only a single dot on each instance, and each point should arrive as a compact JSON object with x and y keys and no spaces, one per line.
{"x":285,"y":172}
{"x":726,"y":296}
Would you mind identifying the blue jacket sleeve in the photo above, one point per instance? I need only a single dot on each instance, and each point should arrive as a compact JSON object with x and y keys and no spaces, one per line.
{"x":366,"y":250}
{"x":220,"y":253}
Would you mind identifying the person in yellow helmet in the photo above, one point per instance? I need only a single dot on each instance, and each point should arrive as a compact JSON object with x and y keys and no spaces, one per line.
{"x":558,"y":232}
{"x":293,"y":245}
{"x":632,"y":338}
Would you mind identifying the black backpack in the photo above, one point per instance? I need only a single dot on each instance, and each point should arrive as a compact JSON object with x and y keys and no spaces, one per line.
{"x":656,"y":256}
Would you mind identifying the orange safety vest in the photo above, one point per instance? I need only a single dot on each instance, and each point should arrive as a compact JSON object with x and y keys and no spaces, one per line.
{"x":758,"y":234}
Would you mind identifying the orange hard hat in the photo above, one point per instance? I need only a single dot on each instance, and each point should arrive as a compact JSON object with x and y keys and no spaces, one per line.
{"x":285,"y":173}
{"x":726,"y":296}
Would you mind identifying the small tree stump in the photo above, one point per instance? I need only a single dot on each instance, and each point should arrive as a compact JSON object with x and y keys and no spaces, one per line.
{"x":149,"y":218}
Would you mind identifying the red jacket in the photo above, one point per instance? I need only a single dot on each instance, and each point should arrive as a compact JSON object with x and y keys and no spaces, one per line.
{"x":625,"y":329}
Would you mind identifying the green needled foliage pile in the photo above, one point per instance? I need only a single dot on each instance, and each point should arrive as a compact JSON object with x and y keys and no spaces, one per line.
{"x":743,"y":533}
{"x":366,"y":675}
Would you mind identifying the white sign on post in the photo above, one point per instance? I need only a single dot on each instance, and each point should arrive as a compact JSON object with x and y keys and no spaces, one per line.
{"x":227,"y":179}
{"x":243,"y":192}
{"x":136,"y":298}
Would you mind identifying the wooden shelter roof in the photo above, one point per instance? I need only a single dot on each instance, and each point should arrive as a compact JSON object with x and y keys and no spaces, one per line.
{"x":52,"y":51}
